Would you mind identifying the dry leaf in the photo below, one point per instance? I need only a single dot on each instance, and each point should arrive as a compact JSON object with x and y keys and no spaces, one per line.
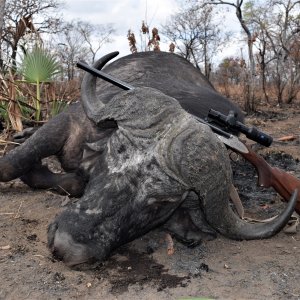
{"x":170,"y":244}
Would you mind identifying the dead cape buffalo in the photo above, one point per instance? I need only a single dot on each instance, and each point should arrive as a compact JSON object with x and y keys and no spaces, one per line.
{"x":139,"y":159}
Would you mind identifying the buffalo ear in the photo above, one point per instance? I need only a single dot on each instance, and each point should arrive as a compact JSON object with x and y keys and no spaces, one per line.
{"x":90,"y":102}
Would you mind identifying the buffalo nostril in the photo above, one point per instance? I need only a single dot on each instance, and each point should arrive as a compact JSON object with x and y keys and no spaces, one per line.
{"x":64,"y":248}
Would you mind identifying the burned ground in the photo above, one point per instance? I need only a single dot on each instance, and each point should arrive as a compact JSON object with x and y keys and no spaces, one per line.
{"x":224,"y":269}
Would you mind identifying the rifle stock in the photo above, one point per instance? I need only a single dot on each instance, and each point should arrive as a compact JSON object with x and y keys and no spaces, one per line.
{"x":282,"y":182}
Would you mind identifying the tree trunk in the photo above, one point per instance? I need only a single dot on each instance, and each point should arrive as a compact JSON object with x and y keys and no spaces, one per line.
{"x":2,"y":11}
{"x":249,"y":101}
{"x":262,"y":62}
{"x":263,"y":83}
{"x":249,"y":97}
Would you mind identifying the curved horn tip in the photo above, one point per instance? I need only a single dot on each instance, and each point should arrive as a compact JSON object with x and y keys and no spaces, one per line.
{"x":294,"y":197}
{"x":115,"y":53}
{"x":235,"y":228}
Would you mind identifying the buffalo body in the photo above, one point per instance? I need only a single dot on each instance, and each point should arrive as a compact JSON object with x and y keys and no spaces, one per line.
{"x":138,"y":158}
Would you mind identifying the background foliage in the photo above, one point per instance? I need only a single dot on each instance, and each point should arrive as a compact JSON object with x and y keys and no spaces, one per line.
{"x":267,"y":73}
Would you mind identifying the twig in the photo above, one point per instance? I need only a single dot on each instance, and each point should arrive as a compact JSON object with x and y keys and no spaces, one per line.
{"x":68,"y":194}
{"x":287,"y":138}
{"x":17,"y":215}
{"x":8,"y":142}
{"x":7,"y":247}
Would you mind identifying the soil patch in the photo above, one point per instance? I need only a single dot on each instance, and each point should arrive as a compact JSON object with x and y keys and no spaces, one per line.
{"x":218,"y":269}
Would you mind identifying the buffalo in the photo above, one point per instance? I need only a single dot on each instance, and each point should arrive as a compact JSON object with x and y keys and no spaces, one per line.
{"x":137,"y":159}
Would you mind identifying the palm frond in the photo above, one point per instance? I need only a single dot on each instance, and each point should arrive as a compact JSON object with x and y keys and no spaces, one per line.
{"x":39,"y":66}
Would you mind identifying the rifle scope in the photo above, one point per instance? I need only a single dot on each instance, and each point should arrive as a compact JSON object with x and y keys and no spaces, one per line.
{"x":230,"y":122}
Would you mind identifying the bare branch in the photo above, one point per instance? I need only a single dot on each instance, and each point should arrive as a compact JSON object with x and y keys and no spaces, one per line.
{"x":216,"y":2}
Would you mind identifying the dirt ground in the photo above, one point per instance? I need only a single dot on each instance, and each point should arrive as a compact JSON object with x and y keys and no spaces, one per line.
{"x":218,"y":269}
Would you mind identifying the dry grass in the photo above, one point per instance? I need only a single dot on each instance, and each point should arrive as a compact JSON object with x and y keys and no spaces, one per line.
{"x":17,"y":100}
{"x":236,"y":93}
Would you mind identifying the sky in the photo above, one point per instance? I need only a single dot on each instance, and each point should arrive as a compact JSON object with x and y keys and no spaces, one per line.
{"x":129,"y":14}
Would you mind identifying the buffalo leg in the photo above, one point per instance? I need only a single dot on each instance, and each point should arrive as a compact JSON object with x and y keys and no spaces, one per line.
{"x":41,"y":177}
{"x":48,"y":140}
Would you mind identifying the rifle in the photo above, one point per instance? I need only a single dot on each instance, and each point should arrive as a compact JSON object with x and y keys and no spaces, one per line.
{"x":283,"y":182}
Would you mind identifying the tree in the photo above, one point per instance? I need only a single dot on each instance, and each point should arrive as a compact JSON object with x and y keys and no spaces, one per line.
{"x":78,"y":40}
{"x":95,"y":36}
{"x":194,"y":34}
{"x":238,"y":6}
{"x":276,"y":27}
{"x":22,"y":21}
{"x":257,"y":17}
{"x":230,"y":72}
{"x":285,"y":38}
{"x":70,"y":47}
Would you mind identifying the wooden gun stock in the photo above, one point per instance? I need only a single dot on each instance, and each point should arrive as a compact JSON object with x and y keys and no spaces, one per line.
{"x":283,"y":183}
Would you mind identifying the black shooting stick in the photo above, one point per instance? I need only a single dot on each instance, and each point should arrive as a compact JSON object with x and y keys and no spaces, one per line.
{"x":119,"y":83}
{"x":125,"y":86}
